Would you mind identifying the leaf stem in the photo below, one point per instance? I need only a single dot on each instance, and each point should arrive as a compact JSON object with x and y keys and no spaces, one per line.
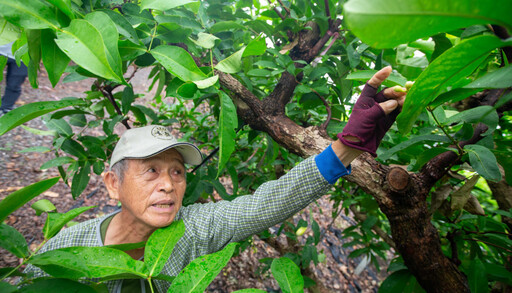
{"x":151,"y":285}
{"x":25,"y":260}
{"x":456,"y":143}
{"x":152,"y":37}
{"x":211,"y":61}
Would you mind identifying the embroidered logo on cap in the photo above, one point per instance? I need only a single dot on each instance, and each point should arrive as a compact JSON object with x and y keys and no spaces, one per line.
{"x":161,"y":133}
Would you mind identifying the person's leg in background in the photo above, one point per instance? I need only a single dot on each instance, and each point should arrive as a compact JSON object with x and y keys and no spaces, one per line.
{"x":14,"y":79}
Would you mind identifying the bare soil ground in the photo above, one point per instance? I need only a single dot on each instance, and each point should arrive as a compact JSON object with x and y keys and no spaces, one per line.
{"x":244,"y":271}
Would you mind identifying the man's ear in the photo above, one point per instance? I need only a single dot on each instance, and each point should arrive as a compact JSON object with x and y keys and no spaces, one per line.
{"x":112,"y":183}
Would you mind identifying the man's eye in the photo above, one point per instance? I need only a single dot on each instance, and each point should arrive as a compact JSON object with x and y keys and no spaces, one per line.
{"x":151,"y":170}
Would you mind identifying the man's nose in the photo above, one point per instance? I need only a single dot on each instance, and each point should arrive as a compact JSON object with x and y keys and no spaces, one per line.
{"x":166,"y":182}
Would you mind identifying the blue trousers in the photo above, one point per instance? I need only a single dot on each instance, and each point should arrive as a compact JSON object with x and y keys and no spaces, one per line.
{"x":14,"y":79}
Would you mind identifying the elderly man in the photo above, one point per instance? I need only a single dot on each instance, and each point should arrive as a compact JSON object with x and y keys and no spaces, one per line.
{"x":148,"y":178}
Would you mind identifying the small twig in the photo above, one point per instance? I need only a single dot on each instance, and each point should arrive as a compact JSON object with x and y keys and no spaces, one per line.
{"x":487,"y":232}
{"x":327,"y":107}
{"x":335,"y":36}
{"x":327,"y":10}
{"x":456,"y":143}
{"x":108,"y":94}
{"x":455,"y":254}
{"x":206,"y":159}
{"x":277,"y":10}
{"x":488,"y":243}
{"x":284,"y":7}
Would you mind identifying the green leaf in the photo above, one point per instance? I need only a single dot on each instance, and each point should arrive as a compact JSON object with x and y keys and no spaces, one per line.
{"x":206,"y":83}
{"x":178,"y":62}
{"x":477,"y":277}
{"x":43,"y":206}
{"x":64,"y":285}
{"x":223,"y":26}
{"x":108,"y":30}
{"x":36,"y":149}
{"x":72,"y":147}
{"x":231,"y":64}
{"x":3,"y":62}
{"x":163,"y":4}
{"x":60,"y":264}
{"x":127,"y":246}
{"x":7,"y":288}
{"x":20,"y":197}
{"x":160,"y":245}
{"x":84,"y":44}
{"x":259,"y":72}
{"x":56,"y":221}
{"x":256,"y":47}
{"x":400,"y":281}
{"x":54,"y":60}
{"x":250,"y":290}
{"x":30,"y":111}
{"x":64,"y":6}
{"x":453,"y":96}
{"x":198,"y":274}
{"x":29,"y":14}
{"x":8,"y":32}
{"x":59,"y":161}
{"x":127,"y":99}
{"x":365,"y":75}
{"x":205,"y":40}
{"x":483,"y":161}
{"x":442,"y":44}
{"x":80,"y":180}
{"x":495,"y":80}
{"x":412,"y":141}
{"x":484,"y":114}
{"x":386,"y":24}
{"x":123,"y":26}
{"x":287,"y":275}
{"x":92,"y":262}
{"x":13,"y":241}
{"x":228,"y":122}
{"x":450,"y":67}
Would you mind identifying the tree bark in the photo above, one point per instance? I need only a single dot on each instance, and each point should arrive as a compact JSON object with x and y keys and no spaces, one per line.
{"x":401,"y":196}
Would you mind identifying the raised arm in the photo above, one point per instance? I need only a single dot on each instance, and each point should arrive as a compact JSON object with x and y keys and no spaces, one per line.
{"x":216,"y":224}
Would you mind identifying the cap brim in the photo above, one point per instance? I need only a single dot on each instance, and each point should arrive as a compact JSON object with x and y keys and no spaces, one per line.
{"x":190,"y":153}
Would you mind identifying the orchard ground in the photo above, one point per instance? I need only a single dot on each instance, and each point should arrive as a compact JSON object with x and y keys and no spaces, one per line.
{"x":19,"y":169}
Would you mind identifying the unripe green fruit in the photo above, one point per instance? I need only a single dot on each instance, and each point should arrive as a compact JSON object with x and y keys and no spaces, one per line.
{"x":408,"y":85}
{"x":399,"y":89}
{"x":301,"y":231}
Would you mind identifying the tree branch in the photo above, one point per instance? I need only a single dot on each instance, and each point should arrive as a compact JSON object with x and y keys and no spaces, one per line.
{"x":107,"y":92}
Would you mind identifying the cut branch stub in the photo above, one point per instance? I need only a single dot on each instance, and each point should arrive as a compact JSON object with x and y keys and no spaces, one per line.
{"x":398,"y":179}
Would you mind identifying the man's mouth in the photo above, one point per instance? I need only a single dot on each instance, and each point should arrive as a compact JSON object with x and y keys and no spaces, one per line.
{"x":163,"y":204}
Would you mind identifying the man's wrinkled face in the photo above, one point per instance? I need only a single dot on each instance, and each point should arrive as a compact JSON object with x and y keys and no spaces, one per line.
{"x":152,"y":189}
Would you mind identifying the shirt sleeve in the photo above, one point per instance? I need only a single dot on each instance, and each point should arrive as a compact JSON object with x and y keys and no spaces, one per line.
{"x":216,"y":224}
{"x":330,"y":165}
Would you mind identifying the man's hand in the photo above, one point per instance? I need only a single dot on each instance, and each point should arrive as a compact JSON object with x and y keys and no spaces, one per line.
{"x":372,"y":116}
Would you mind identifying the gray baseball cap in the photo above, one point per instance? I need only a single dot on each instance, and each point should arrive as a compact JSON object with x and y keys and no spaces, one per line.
{"x":145,"y":142}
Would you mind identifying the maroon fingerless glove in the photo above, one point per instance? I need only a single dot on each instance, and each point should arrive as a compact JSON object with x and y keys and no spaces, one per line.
{"x":368,"y":122}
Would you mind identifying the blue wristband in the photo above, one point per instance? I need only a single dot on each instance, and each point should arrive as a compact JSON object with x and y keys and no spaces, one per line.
{"x":330,"y":165}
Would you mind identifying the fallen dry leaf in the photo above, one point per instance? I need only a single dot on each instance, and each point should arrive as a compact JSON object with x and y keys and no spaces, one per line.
{"x":50,"y":194}
{"x":11,"y":188}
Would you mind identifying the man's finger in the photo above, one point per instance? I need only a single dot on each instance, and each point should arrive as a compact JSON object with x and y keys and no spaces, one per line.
{"x":380,"y":76}
{"x":389,"y":106}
